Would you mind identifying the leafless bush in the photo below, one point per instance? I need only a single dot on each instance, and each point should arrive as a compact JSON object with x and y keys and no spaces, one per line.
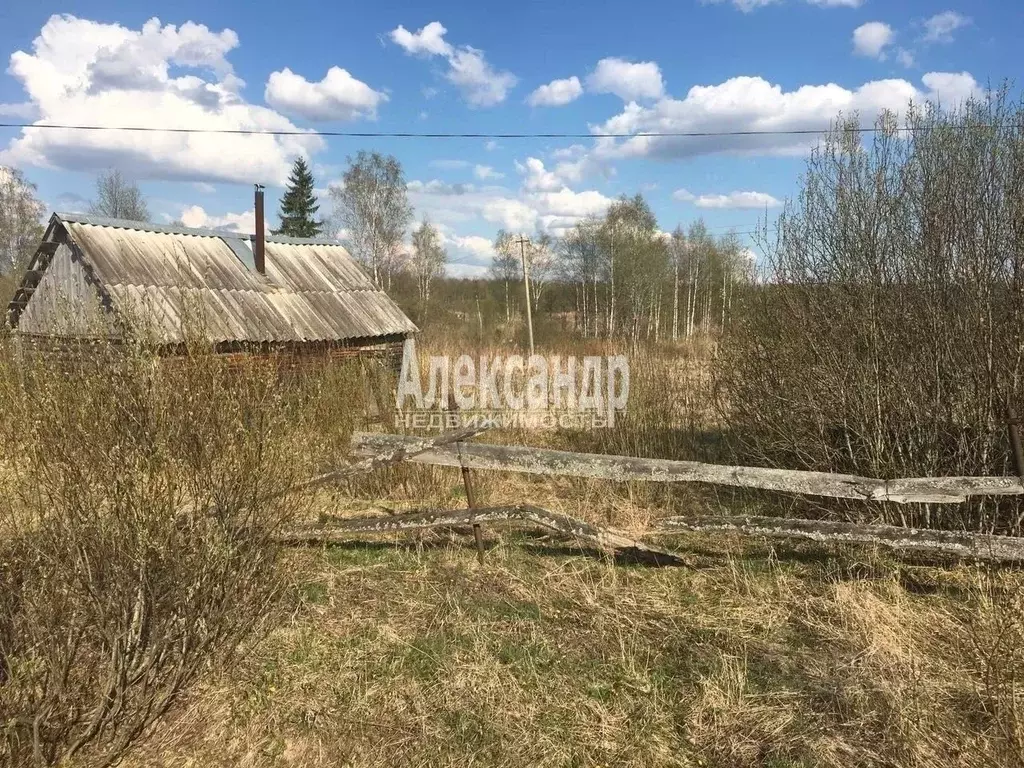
{"x":887,"y":340}
{"x":136,"y":526}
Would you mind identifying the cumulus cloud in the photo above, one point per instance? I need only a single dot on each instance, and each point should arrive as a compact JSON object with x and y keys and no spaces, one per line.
{"x":196,"y":217}
{"x":754,"y":104}
{"x":428,"y":41}
{"x":338,"y":96}
{"x":871,"y":39}
{"x":731,"y":200}
{"x":86,"y":73}
{"x":940,"y":27}
{"x":486,"y":172}
{"x":438,"y":187}
{"x":480,"y":84}
{"x":744,"y":5}
{"x":542,"y":203}
{"x":630,"y":81}
{"x":752,"y":5}
{"x":557,"y":93}
{"x":25,"y":110}
{"x":951,"y":87}
{"x":447,"y":164}
{"x":536,"y":178}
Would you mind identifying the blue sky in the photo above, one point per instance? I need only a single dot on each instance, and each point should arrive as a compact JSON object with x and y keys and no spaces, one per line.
{"x":672,"y":65}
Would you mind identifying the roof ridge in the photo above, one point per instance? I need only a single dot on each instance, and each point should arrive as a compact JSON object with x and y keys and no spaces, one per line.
{"x":145,"y":226}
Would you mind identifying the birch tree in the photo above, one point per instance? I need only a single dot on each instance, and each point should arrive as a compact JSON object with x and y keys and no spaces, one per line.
{"x":427,"y":259}
{"x":21,"y":213}
{"x":505,"y":266}
{"x":373,"y":206}
{"x":119,"y":198}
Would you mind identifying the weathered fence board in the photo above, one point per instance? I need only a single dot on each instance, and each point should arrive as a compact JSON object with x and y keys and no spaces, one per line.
{"x":935,"y":490}
{"x":407,"y":450}
{"x":956,"y":544}
{"x":342,"y":529}
{"x":968,"y":545}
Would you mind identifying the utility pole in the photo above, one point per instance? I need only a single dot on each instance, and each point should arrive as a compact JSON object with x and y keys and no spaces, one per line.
{"x":526,"y":284}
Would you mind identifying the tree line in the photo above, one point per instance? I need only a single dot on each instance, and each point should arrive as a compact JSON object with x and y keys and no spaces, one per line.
{"x":628,"y":278}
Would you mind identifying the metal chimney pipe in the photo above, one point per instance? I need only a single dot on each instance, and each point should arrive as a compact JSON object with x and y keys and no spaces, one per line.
{"x":259,"y":240}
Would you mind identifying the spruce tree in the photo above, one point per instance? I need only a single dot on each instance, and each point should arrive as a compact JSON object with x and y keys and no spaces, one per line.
{"x":299,"y":205}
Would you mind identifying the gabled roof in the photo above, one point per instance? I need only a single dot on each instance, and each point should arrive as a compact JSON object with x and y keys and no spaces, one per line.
{"x":312,"y":289}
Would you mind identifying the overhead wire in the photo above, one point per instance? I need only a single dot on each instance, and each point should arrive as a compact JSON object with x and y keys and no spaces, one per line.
{"x":458,"y":135}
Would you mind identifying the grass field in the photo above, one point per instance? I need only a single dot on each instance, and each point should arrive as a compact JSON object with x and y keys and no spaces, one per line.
{"x":403,"y":650}
{"x":412,"y":654}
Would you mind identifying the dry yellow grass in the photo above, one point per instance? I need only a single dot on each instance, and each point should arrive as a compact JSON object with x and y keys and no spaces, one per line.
{"x":411,"y":654}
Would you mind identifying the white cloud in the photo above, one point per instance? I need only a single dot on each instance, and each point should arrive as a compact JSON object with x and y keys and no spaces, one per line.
{"x":25,"y":110}
{"x":550,"y":207}
{"x":905,"y":57}
{"x":940,"y":27}
{"x":448,"y":165}
{"x":510,"y":213}
{"x":557,"y":93}
{"x":536,"y":177}
{"x":428,"y":41}
{"x":731,"y":200}
{"x":949,"y":88}
{"x":339,"y":96}
{"x":87,"y":73}
{"x":630,"y":81}
{"x":480,"y":84}
{"x":744,"y":5}
{"x":871,"y":39}
{"x":195,"y":216}
{"x":751,"y":5}
{"x":438,"y":187}
{"x":754,"y":104}
{"x":491,"y":145}
{"x":480,"y":249}
{"x":485,"y":172}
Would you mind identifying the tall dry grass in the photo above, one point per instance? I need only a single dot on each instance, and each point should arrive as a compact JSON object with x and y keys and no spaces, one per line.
{"x":140,"y":500}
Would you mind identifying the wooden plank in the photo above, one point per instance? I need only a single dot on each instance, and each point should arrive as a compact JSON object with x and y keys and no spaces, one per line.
{"x":339,"y":530}
{"x":407,"y":450}
{"x":941,"y":490}
{"x":950,"y":543}
{"x":960,"y":544}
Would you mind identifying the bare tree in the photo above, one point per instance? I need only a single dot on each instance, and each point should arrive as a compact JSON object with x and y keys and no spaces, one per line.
{"x":20,"y":215}
{"x":887,"y":340}
{"x":373,"y":206}
{"x":541,"y":255}
{"x":677,"y":251}
{"x":118,"y":198}
{"x":505,"y":266}
{"x":427,"y":260}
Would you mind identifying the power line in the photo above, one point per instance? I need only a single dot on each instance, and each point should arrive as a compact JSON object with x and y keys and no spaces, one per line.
{"x":415,"y":135}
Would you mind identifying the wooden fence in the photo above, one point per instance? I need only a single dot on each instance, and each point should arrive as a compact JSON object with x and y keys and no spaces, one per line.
{"x":451,"y":450}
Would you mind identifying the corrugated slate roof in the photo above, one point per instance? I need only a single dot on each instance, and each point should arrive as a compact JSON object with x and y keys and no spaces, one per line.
{"x":312,"y":289}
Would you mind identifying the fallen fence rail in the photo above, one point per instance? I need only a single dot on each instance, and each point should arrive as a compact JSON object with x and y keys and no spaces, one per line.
{"x":610,"y":541}
{"x":960,"y":544}
{"x":964,"y":545}
{"x":541,"y":461}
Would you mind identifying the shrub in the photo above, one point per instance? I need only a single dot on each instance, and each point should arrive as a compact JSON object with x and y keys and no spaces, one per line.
{"x":137,"y":520}
{"x":886,"y":339}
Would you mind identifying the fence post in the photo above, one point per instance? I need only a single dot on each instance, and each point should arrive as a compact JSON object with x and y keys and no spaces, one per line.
{"x":1013,"y":424}
{"x":467,"y":482}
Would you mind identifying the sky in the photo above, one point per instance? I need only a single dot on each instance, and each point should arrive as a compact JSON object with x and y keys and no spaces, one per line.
{"x":534,"y":66}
